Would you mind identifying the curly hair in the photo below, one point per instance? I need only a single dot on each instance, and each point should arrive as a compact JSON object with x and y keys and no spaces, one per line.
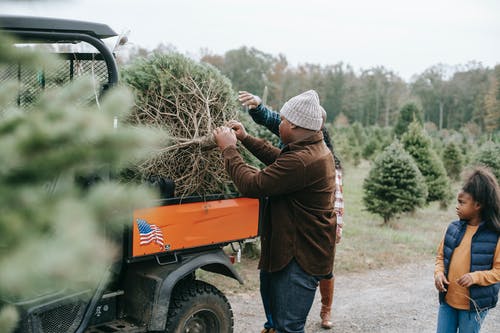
{"x":482,"y":185}
{"x":328,"y":141}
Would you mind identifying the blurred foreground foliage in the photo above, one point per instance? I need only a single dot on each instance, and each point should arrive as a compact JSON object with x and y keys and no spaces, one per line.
{"x":56,"y":234}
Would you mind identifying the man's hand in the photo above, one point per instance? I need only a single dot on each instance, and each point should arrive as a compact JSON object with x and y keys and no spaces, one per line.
{"x":224,"y":137}
{"x":238,"y":129}
{"x":465,"y":281}
{"x":247,"y":99}
{"x":440,"y":281}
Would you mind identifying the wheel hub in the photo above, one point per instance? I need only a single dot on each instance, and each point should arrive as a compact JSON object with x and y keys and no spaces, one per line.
{"x":203,"y":321}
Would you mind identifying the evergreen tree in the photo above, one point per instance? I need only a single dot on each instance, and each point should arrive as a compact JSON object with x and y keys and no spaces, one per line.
{"x":52,"y":232}
{"x":453,"y":160}
{"x":370,"y":148}
{"x":358,"y":133}
{"x":489,"y":155}
{"x":419,"y":145}
{"x":377,"y":139}
{"x":394,"y":184}
{"x":408,"y":113}
{"x":492,"y":102}
{"x":346,"y":144}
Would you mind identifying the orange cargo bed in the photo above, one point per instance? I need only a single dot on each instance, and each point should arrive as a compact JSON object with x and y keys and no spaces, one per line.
{"x":180,"y":226}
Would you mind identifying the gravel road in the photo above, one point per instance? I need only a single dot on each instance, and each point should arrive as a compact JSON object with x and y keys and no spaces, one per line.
{"x":401,"y":300}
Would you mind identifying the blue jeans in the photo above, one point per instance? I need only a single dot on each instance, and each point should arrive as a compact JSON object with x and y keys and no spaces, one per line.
{"x":292,"y":293}
{"x":451,"y":320}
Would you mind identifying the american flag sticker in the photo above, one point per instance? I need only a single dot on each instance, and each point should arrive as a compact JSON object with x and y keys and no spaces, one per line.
{"x":149,"y":233}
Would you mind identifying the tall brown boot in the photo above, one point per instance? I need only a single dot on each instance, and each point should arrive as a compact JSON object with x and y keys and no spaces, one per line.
{"x":326,"y":287}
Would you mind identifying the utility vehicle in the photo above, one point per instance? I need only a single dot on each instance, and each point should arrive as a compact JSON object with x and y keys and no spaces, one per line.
{"x":153,"y":285}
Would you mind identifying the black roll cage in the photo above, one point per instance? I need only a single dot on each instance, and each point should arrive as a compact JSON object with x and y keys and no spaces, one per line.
{"x":39,"y":29}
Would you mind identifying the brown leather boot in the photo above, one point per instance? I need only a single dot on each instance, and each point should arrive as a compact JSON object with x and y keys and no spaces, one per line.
{"x":326,"y":289}
{"x":268,"y":330}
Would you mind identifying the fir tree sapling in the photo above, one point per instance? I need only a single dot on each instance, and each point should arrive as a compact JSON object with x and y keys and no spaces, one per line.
{"x":408,"y":113}
{"x":489,"y":155}
{"x":394,"y":184}
{"x":418,"y":144}
{"x":453,"y":160}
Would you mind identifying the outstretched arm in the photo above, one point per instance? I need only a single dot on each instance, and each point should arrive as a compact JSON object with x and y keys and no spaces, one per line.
{"x":282,"y":176}
{"x":259,"y":112}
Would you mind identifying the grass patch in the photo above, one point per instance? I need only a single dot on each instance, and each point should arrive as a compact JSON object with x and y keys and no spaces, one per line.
{"x":368,"y":244}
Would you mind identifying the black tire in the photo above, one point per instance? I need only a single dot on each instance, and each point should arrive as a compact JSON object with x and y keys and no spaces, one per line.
{"x":198,"y":307}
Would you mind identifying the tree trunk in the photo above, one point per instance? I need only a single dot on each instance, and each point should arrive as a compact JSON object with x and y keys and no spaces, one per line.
{"x":440,"y":115}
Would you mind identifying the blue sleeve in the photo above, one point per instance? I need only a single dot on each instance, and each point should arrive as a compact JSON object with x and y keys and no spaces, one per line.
{"x":266,"y":117}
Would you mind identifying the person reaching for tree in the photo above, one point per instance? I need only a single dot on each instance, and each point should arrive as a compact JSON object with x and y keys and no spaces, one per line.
{"x":467,"y":271}
{"x":298,"y":219}
{"x":271,"y":120}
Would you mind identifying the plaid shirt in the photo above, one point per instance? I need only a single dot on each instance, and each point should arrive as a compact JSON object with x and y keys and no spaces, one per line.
{"x":339,"y":202}
{"x":271,"y":120}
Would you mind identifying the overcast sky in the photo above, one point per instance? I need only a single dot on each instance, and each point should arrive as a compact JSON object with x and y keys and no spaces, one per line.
{"x":404,"y":36}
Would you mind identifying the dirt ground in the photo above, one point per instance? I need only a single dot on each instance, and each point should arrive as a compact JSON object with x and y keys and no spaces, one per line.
{"x":396,"y":300}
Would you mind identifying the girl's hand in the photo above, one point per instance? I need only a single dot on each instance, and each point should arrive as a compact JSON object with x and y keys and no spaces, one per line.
{"x":238,"y":129}
{"x":440,"y":281}
{"x":465,"y":281}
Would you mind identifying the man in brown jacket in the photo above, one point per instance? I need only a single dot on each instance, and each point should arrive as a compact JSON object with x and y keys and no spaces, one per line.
{"x":298,"y":233}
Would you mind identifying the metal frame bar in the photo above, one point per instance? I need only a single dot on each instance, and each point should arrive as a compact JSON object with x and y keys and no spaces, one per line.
{"x":59,"y":37}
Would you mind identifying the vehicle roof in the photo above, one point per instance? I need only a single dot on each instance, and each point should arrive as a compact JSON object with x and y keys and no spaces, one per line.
{"x":13,"y":23}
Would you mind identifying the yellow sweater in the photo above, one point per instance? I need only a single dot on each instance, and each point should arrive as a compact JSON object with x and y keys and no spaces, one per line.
{"x":457,"y":296}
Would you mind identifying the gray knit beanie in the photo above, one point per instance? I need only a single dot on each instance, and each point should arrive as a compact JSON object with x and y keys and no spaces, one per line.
{"x":304,"y":111}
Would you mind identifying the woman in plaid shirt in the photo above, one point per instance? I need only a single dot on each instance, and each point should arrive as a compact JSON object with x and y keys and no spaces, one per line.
{"x":271,"y":120}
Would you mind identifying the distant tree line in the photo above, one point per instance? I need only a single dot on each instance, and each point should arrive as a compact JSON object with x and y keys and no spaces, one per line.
{"x":374,"y":96}
{"x":450,"y":97}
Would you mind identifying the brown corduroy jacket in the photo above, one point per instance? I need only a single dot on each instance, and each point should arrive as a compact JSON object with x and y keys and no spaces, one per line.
{"x":299,"y":221}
